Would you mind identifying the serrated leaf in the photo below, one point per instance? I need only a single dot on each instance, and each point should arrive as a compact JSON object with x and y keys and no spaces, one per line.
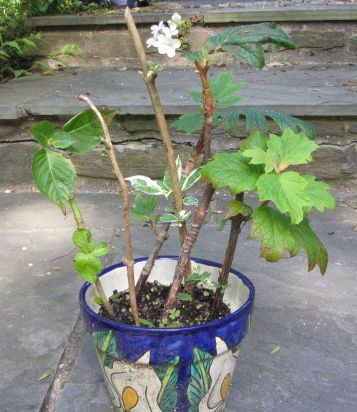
{"x":256,"y":139}
{"x":54,"y":175}
{"x":274,"y":231}
{"x":287,"y":191}
{"x":82,"y":238}
{"x":261,"y":33}
{"x":251,"y":54}
{"x":319,"y":194}
{"x":190,"y":201}
{"x":146,"y":185}
{"x":259,"y":156}
{"x":307,"y":239}
{"x":191,"y":179}
{"x":87,"y":266}
{"x":224,"y":90}
{"x":100,"y":249}
{"x":184,"y":297}
{"x":189,"y":122}
{"x":43,"y":132}
{"x":144,"y":207}
{"x":257,"y":119}
{"x":61,"y":140}
{"x":85,"y":130}
{"x":231,"y":170}
{"x":277,"y":234}
{"x":289,"y":149}
{"x":237,"y":207}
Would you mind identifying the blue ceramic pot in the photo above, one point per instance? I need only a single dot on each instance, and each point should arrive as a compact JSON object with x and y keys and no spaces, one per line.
{"x":185,"y":369}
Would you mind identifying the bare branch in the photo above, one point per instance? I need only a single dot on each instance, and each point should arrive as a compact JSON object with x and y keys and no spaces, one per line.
{"x":128,"y":260}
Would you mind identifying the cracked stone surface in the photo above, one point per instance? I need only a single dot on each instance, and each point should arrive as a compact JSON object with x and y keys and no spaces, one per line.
{"x":313,"y":319}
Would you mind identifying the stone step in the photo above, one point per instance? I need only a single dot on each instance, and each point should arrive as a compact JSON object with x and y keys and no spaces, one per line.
{"x":326,"y":97}
{"x":325,"y":33}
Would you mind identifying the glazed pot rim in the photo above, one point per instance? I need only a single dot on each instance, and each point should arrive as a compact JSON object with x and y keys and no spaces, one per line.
{"x":246,"y":307}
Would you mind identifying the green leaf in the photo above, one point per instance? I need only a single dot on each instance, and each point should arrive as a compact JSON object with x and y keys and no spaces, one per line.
{"x":307,"y":239}
{"x":146,"y":185}
{"x":85,"y":130}
{"x":224,"y":90}
{"x":168,"y":218}
{"x":98,"y":300}
{"x":87,"y":266}
{"x":201,"y":380}
{"x":168,"y":375}
{"x":275,"y":349}
{"x":198,"y":55}
{"x":61,"y":140}
{"x":274,"y":231}
{"x":100,"y":249}
{"x":28,"y":42}
{"x":289,"y":149}
{"x":191,"y":179}
{"x":166,"y":182}
{"x":144,"y":207}
{"x":259,"y":156}
{"x":319,"y":194}
{"x":43,"y":132}
{"x":54,"y":175}
{"x":189,"y":122}
{"x":277,"y":234}
{"x":261,"y":33}
{"x":146,"y":322}
{"x":255,"y":140}
{"x":236,"y":207}
{"x":82,"y":238}
{"x":257,"y":119}
{"x":184,"y":297}
{"x":251,"y":54}
{"x":231,"y":170}
{"x":221,"y":225}
{"x":287,"y":191}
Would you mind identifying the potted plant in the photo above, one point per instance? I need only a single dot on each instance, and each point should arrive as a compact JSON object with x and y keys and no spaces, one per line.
{"x":168,"y":333}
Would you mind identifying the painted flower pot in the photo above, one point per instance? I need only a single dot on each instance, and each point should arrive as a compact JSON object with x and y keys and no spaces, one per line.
{"x":185,"y":369}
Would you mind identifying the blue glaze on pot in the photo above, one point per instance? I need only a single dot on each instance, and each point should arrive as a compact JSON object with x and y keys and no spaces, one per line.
{"x":166,"y":345}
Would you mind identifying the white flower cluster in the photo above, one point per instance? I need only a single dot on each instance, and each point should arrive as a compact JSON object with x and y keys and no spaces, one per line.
{"x":163,"y":36}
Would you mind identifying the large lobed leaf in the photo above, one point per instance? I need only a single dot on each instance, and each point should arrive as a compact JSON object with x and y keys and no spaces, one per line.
{"x":257,"y":119}
{"x":224,"y":90}
{"x":277,"y":234}
{"x":54,"y":175}
{"x":231,"y":170}
{"x":245,"y":42}
{"x":295,"y":194}
{"x":281,"y":152}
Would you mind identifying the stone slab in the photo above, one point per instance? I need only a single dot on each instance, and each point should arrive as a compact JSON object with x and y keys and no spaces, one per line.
{"x":17,"y":92}
{"x":222,"y":15}
{"x":300,"y":92}
{"x":312,"y":319}
{"x":39,"y":290}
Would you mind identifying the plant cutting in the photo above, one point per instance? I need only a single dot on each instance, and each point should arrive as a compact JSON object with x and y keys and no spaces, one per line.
{"x":167,"y":329}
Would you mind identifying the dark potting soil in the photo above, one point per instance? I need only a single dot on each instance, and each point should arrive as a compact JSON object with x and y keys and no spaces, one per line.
{"x":151,"y":304}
